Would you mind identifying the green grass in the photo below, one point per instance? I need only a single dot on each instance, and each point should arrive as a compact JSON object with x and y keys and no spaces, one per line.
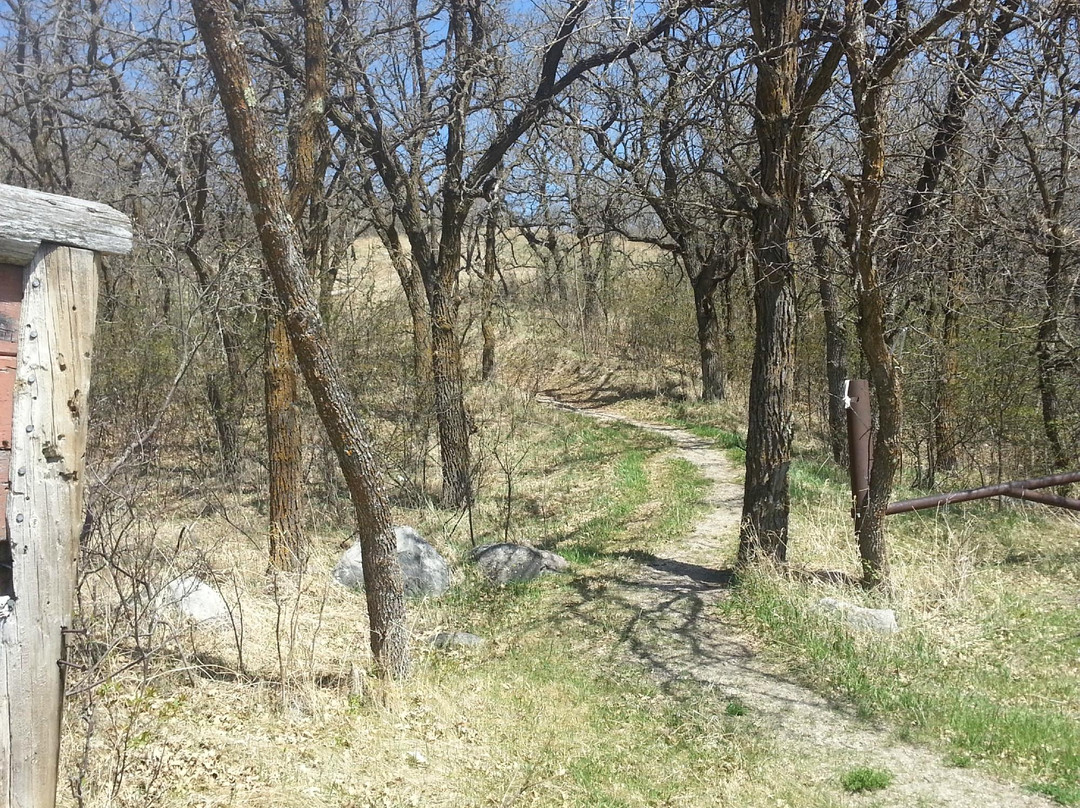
{"x":579,"y":726}
{"x":864,"y":779}
{"x":986,"y":663}
{"x":1010,"y":706}
{"x":1063,"y":794}
{"x":731,"y":442}
{"x":736,"y":708}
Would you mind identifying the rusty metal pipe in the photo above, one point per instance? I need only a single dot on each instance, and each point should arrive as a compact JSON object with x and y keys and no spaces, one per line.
{"x":999,"y":490}
{"x":1044,"y":498}
{"x":860,"y":449}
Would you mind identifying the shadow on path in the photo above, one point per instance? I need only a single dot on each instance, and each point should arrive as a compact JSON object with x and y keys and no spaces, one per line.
{"x":666,"y":612}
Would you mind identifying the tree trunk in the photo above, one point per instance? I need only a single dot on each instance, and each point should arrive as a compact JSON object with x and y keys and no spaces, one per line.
{"x":440,"y":282}
{"x":836,"y":338}
{"x":945,"y":440}
{"x":288,"y":546}
{"x":1047,"y":353}
{"x":308,"y":155}
{"x":449,"y":396}
{"x":885,"y":376}
{"x":225,"y":393}
{"x":412,"y":283}
{"x":729,"y":315}
{"x":590,"y":281}
{"x":298,"y":297}
{"x":487,"y":299}
{"x":226,"y":424}
{"x":884,"y":370}
{"x":764,"y":533}
{"x":713,"y":377}
{"x":421,"y":328}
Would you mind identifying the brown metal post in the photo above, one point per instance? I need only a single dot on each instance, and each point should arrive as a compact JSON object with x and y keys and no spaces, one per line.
{"x":860,"y":451}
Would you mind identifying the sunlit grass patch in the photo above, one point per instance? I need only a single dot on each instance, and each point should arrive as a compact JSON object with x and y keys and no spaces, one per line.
{"x":864,"y":779}
{"x":986,"y":662}
{"x":545,"y":712}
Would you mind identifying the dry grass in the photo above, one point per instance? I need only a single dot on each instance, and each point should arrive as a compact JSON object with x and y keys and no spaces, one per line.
{"x":275,"y":707}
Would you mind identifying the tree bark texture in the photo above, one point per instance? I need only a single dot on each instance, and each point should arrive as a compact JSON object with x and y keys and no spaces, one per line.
{"x":1048,"y":345}
{"x":487,"y":299}
{"x":766,"y":503}
{"x":449,"y":396}
{"x":298,"y":297}
{"x":307,"y":208}
{"x":415,"y":299}
{"x":222,"y":396}
{"x":836,"y":337}
{"x":867,"y":95}
{"x":713,"y":376}
{"x":888,"y":454}
{"x":288,"y":545}
{"x":871,"y":75}
{"x":764,"y":533}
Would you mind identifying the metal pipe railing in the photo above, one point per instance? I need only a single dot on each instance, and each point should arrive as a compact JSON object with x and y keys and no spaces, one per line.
{"x":1020,"y":489}
{"x":860,"y":450}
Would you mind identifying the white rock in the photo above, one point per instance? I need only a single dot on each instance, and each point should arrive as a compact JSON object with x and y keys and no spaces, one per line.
{"x":417,"y":758}
{"x":880,"y":621}
{"x":455,"y":640}
{"x":192,"y":600}
{"x":424,"y":571}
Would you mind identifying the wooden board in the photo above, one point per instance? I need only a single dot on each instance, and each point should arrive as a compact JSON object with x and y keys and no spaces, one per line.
{"x":29,"y":218}
{"x":44,"y":516}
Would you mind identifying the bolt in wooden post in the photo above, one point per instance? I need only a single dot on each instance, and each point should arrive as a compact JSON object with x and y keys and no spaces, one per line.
{"x":860,"y":448}
{"x":44,"y":510}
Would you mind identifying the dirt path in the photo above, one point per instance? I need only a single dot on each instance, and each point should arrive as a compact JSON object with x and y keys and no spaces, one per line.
{"x":676,"y":632}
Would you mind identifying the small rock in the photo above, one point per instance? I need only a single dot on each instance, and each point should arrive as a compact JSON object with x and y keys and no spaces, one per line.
{"x":191,"y":599}
{"x":506,"y":563}
{"x":425,"y":571}
{"x":880,"y":621}
{"x":456,"y":639}
{"x":416,"y":758}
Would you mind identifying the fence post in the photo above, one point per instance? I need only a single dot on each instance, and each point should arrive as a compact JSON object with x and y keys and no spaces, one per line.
{"x":49,"y":251}
{"x":860,"y":447}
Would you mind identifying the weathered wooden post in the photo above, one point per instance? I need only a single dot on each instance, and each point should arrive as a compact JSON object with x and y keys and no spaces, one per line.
{"x":49,"y":252}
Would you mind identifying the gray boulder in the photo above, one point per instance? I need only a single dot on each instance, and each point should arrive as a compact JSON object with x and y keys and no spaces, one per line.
{"x":425,"y":571}
{"x":190,"y":600}
{"x":879,"y":621}
{"x":447,"y":640}
{"x":507,"y":563}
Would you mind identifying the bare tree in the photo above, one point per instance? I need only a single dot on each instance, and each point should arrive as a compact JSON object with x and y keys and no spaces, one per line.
{"x":791,"y":79}
{"x":419,"y":137}
{"x":1050,"y":140}
{"x":297,"y":295}
{"x":309,"y":155}
{"x":662,"y":129}
{"x":871,"y":71}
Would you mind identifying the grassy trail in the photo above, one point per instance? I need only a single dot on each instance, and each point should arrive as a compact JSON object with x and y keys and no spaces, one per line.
{"x":671,"y":621}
